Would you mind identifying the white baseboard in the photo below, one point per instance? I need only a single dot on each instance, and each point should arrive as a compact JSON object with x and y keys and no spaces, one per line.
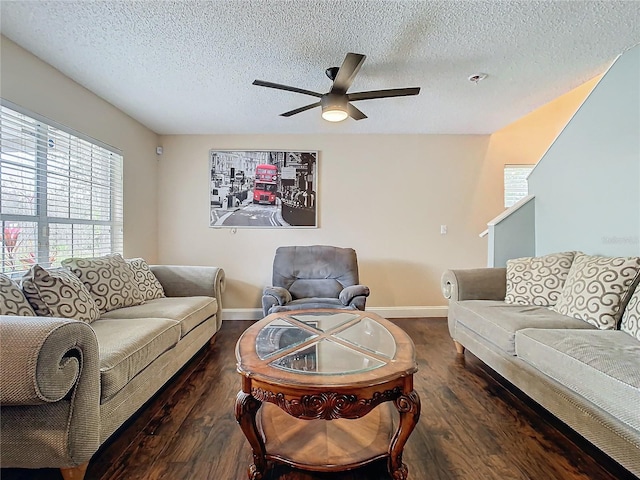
{"x":386,"y":312}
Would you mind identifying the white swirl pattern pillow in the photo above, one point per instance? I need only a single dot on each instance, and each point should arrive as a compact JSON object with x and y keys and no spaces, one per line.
{"x":631,"y":316}
{"x":59,"y":293}
{"x":537,"y":280}
{"x":149,"y":286}
{"x":598,"y":288}
{"x":109,"y":279}
{"x":12,"y":299}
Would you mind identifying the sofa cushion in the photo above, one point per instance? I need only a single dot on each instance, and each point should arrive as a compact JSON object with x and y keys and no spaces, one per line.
{"x":589,"y":363}
{"x":537,"y":280}
{"x":188,"y":311}
{"x":598,"y":288}
{"x":497,"y":322}
{"x":631,"y":317}
{"x":12,"y":299}
{"x":109,"y":279}
{"x":149,"y":286}
{"x":59,"y":293}
{"x":128,"y":346}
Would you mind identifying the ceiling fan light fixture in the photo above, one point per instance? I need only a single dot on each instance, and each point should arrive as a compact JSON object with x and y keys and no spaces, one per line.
{"x":334,"y":107}
{"x":334,"y":114}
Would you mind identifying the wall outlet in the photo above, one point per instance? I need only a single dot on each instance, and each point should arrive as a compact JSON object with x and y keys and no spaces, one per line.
{"x":443,"y":229}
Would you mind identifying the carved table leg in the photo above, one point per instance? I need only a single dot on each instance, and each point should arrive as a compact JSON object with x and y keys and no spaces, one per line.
{"x":409,"y":408}
{"x":246,"y":409}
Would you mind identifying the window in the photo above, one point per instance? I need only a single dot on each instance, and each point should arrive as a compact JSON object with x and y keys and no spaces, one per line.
{"x":515,"y":183}
{"x":60,"y":193}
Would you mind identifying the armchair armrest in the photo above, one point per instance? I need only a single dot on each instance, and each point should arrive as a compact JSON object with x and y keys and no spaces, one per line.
{"x":474,"y":284}
{"x":189,"y":281}
{"x":282,"y":295}
{"x":349,"y":293}
{"x":49,"y":375}
{"x":274,"y":296}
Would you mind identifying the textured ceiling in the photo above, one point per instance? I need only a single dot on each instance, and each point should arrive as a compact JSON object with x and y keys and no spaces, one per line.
{"x":186,"y":67}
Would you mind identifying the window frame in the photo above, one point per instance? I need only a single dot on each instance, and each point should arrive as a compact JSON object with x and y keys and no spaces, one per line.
{"x":506,"y":190}
{"x":110,"y":159}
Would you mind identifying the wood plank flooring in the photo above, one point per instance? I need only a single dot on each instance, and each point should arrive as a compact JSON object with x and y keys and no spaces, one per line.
{"x":474,"y":425}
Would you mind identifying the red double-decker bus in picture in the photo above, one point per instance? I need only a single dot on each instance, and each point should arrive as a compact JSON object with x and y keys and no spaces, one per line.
{"x":266,"y":184}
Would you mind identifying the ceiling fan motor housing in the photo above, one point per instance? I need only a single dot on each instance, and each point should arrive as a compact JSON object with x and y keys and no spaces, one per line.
{"x":334,"y":101}
{"x":334,"y":106}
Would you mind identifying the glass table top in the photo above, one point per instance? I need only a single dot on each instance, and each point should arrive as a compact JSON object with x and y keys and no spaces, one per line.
{"x":325,"y":321}
{"x":280,"y":335}
{"x":371,"y":336}
{"x":327,"y":358}
{"x":327,"y":343}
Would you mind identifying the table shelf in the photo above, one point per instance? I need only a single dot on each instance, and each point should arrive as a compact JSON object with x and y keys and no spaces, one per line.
{"x":323,"y":445}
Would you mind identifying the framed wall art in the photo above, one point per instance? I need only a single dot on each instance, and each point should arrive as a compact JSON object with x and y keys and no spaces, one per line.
{"x":263,"y":189}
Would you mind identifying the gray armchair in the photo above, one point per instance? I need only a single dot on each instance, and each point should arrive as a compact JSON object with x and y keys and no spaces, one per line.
{"x":316,"y":276}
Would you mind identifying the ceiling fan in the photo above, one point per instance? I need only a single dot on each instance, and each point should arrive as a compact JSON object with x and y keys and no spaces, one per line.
{"x":336,"y":103}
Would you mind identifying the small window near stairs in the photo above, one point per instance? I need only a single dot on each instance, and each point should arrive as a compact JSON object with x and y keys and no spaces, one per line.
{"x":515,"y":183}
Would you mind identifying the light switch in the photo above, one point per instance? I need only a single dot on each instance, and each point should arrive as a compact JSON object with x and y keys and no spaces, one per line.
{"x":443,"y":229}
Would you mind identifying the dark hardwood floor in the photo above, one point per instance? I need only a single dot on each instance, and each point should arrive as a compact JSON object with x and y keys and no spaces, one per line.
{"x":473,"y":426}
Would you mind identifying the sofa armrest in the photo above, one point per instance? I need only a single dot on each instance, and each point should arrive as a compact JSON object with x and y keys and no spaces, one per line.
{"x":352,"y":291}
{"x":41,"y":358}
{"x":474,"y":284}
{"x":191,"y":281}
{"x":49,"y":375}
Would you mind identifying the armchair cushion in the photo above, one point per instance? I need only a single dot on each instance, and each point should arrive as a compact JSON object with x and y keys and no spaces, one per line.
{"x":315,"y":271}
{"x":314,"y":302}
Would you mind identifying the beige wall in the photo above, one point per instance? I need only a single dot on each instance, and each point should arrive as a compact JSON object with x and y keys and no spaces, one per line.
{"x":384,"y":195}
{"x":29,"y":82}
{"x":526,"y":140}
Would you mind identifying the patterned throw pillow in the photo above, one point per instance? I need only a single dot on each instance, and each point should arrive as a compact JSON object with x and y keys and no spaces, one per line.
{"x":12,"y":300}
{"x":537,"y":280}
{"x":598,"y":288}
{"x":149,"y":286}
{"x":59,"y":293}
{"x":109,"y":279}
{"x":631,"y":316}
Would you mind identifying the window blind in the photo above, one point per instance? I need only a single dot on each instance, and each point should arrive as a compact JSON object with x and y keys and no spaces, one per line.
{"x":60,"y":193}
{"x":515,"y":183}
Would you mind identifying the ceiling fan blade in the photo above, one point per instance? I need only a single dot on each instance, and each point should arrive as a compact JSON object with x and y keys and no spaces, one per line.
{"x":347,"y":72}
{"x":277,"y":86}
{"x":299,"y":110}
{"x":355,"y":113}
{"x":394,"y":92}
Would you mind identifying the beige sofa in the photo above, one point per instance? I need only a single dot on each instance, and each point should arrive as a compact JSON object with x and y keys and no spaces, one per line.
{"x":67,"y":385}
{"x":587,"y":377}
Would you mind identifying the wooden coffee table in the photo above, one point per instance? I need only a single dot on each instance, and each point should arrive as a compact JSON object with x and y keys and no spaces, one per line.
{"x":326,"y":390}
